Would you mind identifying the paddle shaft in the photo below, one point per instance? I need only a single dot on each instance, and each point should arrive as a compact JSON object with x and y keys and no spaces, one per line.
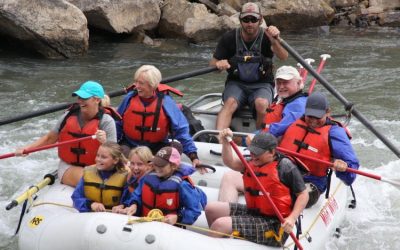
{"x":328,"y":163}
{"x":62,"y":106}
{"x":27,"y":151}
{"x":341,"y":98}
{"x":48,"y":180}
{"x":265,"y":193}
{"x":319,"y":69}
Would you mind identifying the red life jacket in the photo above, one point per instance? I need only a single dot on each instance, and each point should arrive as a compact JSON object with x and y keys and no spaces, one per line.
{"x":275,"y":110}
{"x":161,"y":194}
{"x":279,"y":193}
{"x":162,"y":87}
{"x":273,"y":115}
{"x":148,"y":124}
{"x":81,"y":153}
{"x":312,"y":142}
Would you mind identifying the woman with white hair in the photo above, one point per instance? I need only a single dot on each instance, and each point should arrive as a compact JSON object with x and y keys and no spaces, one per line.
{"x":150,"y":116}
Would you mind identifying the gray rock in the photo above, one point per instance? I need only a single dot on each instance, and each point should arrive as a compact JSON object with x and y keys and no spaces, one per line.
{"x":122,"y":16}
{"x":53,"y":28}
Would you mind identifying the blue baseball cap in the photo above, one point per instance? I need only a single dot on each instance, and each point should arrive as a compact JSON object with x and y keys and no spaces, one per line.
{"x":90,"y":89}
{"x":316,"y":105}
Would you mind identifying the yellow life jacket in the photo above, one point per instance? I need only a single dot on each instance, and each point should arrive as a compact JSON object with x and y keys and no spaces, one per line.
{"x":108,"y":192}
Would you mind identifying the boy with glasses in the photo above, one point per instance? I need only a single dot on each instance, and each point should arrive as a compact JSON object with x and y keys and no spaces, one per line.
{"x":246,"y":53}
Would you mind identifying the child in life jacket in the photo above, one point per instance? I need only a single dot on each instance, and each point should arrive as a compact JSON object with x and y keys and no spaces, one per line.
{"x":168,"y":188}
{"x":103,"y":185}
{"x":140,"y":164}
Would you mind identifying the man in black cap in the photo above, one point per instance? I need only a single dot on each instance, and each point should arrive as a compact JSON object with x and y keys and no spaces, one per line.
{"x":317,"y":135}
{"x":256,"y":220}
{"x":246,"y":53}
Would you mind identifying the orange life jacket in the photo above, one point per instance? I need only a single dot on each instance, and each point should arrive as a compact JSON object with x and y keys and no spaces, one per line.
{"x":312,"y":142}
{"x":81,"y":153}
{"x":146,"y":123}
{"x":279,"y":193}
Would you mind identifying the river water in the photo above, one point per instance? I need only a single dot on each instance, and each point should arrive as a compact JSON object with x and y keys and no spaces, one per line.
{"x":364,"y":68}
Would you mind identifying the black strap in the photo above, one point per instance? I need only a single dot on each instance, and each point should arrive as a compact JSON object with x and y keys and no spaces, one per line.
{"x":308,"y":129}
{"x":298,"y":229}
{"x":157,"y":112}
{"x":353,"y":202}
{"x":301,"y":144}
{"x":21,"y":216}
{"x":102,"y":186}
{"x":328,"y":183}
{"x":253,"y":192}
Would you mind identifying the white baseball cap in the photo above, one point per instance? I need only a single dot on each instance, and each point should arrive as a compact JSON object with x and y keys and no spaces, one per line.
{"x":287,"y":73}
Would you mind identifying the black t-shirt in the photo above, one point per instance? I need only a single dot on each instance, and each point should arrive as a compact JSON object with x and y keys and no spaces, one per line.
{"x":226,"y":47}
{"x":290,"y":175}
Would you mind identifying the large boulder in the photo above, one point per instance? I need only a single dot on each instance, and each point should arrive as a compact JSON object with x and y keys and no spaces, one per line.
{"x":385,"y":4}
{"x":390,"y":18}
{"x":53,"y":28}
{"x":297,"y":14}
{"x":209,"y":28}
{"x":122,"y":16}
{"x":175,"y":13}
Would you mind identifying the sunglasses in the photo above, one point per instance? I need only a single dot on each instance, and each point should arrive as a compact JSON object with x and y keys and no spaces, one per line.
{"x":250,"y":19}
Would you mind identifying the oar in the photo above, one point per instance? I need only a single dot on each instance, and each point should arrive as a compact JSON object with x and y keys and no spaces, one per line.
{"x":57,"y":144}
{"x":348,"y":106}
{"x":62,"y":106}
{"x":47,"y":180}
{"x":319,"y":69}
{"x":395,"y":183}
{"x":265,"y":193}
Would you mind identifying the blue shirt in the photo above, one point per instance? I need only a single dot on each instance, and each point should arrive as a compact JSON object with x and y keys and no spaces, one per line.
{"x":342,"y":149}
{"x":178,"y":124}
{"x":291,"y":112}
{"x":82,"y":204}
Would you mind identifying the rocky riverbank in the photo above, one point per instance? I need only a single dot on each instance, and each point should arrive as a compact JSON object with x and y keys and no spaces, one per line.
{"x":60,"y":28}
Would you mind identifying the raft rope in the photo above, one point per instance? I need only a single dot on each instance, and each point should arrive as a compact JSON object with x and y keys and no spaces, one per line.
{"x":157,"y":215}
{"x":307,"y":232}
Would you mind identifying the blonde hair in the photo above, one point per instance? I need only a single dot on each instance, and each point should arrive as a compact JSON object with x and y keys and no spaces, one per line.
{"x":116,"y":153}
{"x":150,"y":73}
{"x":106,"y":101}
{"x":143,"y":152}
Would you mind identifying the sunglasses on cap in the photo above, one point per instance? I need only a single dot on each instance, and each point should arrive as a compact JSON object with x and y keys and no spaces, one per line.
{"x":249,"y":19}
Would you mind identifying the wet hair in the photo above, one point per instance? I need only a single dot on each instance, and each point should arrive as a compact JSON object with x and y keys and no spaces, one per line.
{"x":116,"y":153}
{"x":150,"y":73}
{"x":143,"y":152}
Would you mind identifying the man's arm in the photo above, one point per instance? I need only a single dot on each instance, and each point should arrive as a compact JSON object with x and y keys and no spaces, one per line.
{"x":227,"y":156}
{"x":273,"y":34}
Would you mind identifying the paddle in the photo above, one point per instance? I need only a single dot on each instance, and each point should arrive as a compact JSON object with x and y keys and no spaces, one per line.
{"x":319,"y":69}
{"x":48,"y":180}
{"x":395,"y":183}
{"x":62,"y":106}
{"x":348,"y":106}
{"x":265,"y":193}
{"x":57,"y":144}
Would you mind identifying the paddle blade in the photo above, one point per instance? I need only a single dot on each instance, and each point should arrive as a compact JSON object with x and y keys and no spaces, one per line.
{"x":395,"y":182}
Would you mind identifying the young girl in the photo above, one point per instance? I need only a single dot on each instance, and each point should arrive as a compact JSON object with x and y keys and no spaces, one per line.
{"x":103,"y":186}
{"x":140,"y":158}
{"x":167,"y":188}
